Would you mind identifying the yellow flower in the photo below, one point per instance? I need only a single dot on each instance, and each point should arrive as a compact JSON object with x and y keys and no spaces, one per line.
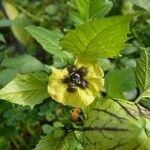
{"x":76,"y":85}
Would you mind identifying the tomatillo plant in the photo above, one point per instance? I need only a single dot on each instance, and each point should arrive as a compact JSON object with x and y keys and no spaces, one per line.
{"x":106,"y":122}
{"x":95,"y":39}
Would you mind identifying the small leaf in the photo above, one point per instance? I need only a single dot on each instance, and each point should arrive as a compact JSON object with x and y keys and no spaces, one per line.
{"x":47,"y":129}
{"x":48,"y":39}
{"x":97,"y":38}
{"x":2,"y":39}
{"x":93,"y":8}
{"x":119,"y":81}
{"x":142,"y":3}
{"x":142,"y":72}
{"x":25,"y":89}
{"x":116,"y":125}
{"x":68,"y":142}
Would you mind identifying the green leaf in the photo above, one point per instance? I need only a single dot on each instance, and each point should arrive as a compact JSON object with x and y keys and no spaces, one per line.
{"x":23,"y":63}
{"x":143,"y":74}
{"x":47,"y":129}
{"x":19,"y":64}
{"x":18,"y":30}
{"x":10,"y":9}
{"x":93,"y":8}
{"x":116,"y":125}
{"x":119,"y":81}
{"x":7,"y":75}
{"x":60,"y":62}
{"x":48,"y":39}
{"x":50,"y":42}
{"x":5,"y":23}
{"x":2,"y":39}
{"x":142,"y":3}
{"x":50,"y":142}
{"x":25,"y":89}
{"x":97,"y":38}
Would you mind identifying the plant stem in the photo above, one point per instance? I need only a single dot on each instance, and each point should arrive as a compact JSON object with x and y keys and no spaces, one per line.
{"x":14,"y":142}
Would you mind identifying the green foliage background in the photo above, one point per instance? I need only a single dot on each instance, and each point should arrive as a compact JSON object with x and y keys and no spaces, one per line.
{"x":22,"y":127}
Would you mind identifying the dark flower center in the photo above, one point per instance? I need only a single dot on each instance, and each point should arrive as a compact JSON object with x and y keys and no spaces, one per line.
{"x":75,"y":78}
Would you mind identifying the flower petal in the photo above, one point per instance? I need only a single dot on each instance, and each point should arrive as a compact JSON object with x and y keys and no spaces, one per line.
{"x":75,"y":99}
{"x":95,"y":85}
{"x":81,"y":97}
{"x":56,"y":88}
{"x":94,"y":70}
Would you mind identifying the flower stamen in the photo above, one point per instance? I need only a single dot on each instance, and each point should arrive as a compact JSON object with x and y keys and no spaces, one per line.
{"x":75,"y":78}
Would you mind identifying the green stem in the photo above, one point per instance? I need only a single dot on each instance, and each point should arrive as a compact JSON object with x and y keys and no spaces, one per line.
{"x":30,"y":130}
{"x":27,"y":13}
{"x":21,"y":141}
{"x":14,"y":142}
{"x":138,"y":99}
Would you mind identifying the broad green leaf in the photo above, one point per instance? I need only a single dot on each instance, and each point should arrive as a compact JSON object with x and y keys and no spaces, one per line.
{"x":48,"y":39}
{"x":5,"y":23}
{"x":93,"y":8}
{"x":2,"y":39}
{"x":97,"y":38}
{"x":142,"y":3}
{"x":25,"y":89}
{"x":116,"y":125}
{"x":50,"y":142}
{"x":143,"y":74}
{"x":18,"y":30}
{"x":19,"y":64}
{"x":119,"y":81}
{"x":50,"y":42}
